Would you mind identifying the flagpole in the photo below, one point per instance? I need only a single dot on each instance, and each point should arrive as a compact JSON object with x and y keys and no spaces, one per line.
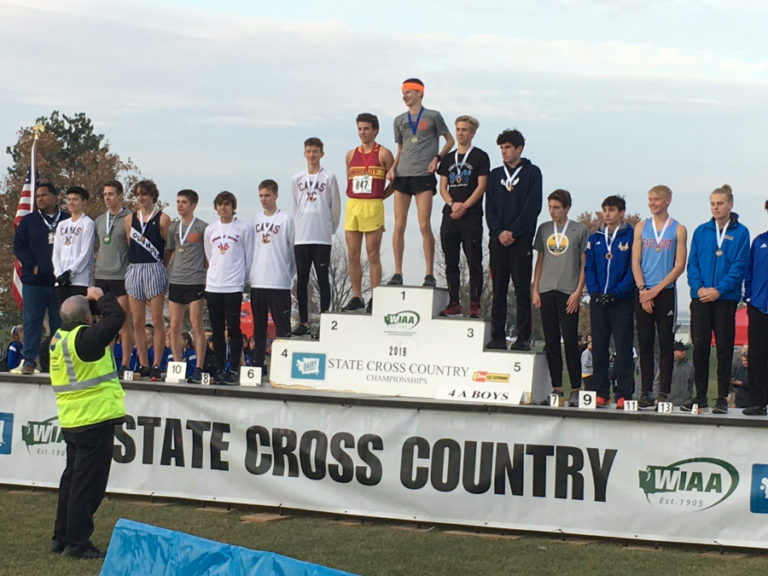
{"x":38,"y":129}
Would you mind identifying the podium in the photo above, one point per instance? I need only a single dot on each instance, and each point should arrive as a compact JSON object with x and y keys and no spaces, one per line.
{"x":405,"y":349}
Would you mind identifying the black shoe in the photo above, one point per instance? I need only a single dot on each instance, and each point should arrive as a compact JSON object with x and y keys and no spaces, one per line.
{"x":87,"y":552}
{"x":196,"y":378}
{"x":231,"y":379}
{"x":573,"y":400}
{"x":721,"y":406}
{"x":57,"y":546}
{"x":369,"y":307}
{"x":219,"y":378}
{"x":301,"y":330}
{"x":354,"y":305}
{"x":520,"y":344}
{"x":496,"y":344}
{"x":155,"y":375}
{"x":754,"y":411}
{"x":143,"y":372}
{"x":123,"y":370}
{"x":645,"y":401}
{"x":429,"y":281}
{"x":396,"y":280}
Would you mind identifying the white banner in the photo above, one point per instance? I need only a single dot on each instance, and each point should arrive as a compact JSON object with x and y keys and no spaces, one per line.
{"x":611,"y":474}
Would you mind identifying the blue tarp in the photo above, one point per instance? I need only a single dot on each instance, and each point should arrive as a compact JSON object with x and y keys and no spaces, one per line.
{"x":138,"y":549}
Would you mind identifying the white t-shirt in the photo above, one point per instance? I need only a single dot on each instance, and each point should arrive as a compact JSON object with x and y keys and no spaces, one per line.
{"x":228,"y":250}
{"x":273,"y":264}
{"x":73,"y":250}
{"x":316,"y":206}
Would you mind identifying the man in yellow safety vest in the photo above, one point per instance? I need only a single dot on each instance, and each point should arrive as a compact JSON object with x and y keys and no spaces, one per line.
{"x":90,"y":402}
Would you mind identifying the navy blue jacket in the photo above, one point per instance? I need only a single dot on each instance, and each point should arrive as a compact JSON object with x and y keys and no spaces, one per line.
{"x":726,"y":272}
{"x":612,"y":276}
{"x":31,"y":247}
{"x":518,"y":210}
{"x":756,"y":279}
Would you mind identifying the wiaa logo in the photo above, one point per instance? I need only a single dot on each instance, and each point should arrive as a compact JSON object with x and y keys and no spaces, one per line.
{"x":403,"y":320}
{"x":44,"y":432}
{"x":689,"y":485}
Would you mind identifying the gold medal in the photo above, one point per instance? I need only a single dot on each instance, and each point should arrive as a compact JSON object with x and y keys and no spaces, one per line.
{"x":458,"y":179}
{"x":608,"y":256}
{"x":658,"y":248}
{"x":107,"y":239}
{"x":180,"y":249}
{"x":719,"y":253}
{"x":414,"y":139}
{"x":509,"y":186}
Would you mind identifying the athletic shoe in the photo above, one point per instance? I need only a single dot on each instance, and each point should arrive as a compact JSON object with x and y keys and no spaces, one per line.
{"x":429,"y":281}
{"x":573,"y":400}
{"x":603,"y":402}
{"x":369,"y":308}
{"x":755,"y":411}
{"x":219,"y":378}
{"x":301,"y":330}
{"x":520,"y":344}
{"x":645,"y":401}
{"x":196,"y":378}
{"x":57,"y":546}
{"x":620,"y":404}
{"x":155,"y":375}
{"x":396,"y":280}
{"x":231,"y":379}
{"x":29,"y":368}
{"x":87,"y":552}
{"x":144,"y":372}
{"x":495,"y":344}
{"x":474,"y":310}
{"x":123,"y":370}
{"x":721,"y":406}
{"x":688,"y":406}
{"x":453,"y":309}
{"x":354,"y":305}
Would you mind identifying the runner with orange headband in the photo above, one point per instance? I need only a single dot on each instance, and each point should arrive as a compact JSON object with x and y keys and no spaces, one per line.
{"x":417,"y":134}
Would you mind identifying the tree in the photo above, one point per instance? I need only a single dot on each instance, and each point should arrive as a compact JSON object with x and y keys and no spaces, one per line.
{"x":69,"y":153}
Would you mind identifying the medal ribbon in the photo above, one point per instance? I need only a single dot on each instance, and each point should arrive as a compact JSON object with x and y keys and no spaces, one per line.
{"x":367,"y":161}
{"x":659,"y":235}
{"x":141,"y":219}
{"x":313,"y":183}
{"x":721,"y":235}
{"x":415,"y":125}
{"x":183,"y":238}
{"x":559,"y":237}
{"x":609,"y":245}
{"x":510,"y":179}
{"x":112,"y":225}
{"x":460,"y":167}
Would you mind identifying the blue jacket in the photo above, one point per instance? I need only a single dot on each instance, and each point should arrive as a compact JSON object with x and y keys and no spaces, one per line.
{"x":31,"y":247}
{"x":518,"y":210}
{"x":756,"y":279}
{"x":726,"y":272}
{"x":612,"y":276}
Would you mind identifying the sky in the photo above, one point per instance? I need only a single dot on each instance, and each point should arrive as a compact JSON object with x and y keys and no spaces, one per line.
{"x":613,"y":97}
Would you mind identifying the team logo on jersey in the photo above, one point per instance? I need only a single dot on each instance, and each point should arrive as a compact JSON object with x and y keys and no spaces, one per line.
{"x":623,"y":246}
{"x":553,"y":248}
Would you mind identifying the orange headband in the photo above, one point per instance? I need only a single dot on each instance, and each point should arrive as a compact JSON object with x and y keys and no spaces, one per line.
{"x":413,"y":86}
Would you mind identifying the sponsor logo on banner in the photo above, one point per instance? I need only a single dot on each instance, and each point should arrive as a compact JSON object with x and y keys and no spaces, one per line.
{"x":308,"y":366}
{"x":490,"y":377}
{"x":758,"y":498}
{"x":6,"y":432}
{"x":45,"y":437}
{"x":403,"y":321}
{"x":692,"y":484}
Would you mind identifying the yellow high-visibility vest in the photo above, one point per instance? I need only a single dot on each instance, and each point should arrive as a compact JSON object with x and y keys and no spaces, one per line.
{"x":86,"y":392}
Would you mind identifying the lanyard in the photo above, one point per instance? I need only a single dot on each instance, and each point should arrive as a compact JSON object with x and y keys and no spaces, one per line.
{"x":183,"y":238}
{"x":367,"y":161}
{"x":313,"y":183}
{"x":51,"y":225}
{"x":559,"y":237}
{"x":658,"y":235}
{"x":510,"y":181}
{"x":415,"y":125}
{"x":111,"y":225}
{"x":720,"y":238}
{"x":460,"y":167}
{"x":141,"y":219}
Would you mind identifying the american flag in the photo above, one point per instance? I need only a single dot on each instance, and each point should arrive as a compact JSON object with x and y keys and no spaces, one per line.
{"x":24,"y":207}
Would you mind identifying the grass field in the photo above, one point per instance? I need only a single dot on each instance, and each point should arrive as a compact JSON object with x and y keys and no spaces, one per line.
{"x":369,"y":548}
